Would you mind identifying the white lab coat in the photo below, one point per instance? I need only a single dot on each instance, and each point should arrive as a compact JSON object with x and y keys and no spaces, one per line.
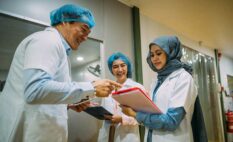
{"x":177,"y":90}
{"x":20,"y":121}
{"x":128,"y":130}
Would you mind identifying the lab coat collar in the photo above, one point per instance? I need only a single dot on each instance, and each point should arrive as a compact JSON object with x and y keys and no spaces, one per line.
{"x":166,"y":81}
{"x":172,"y":75}
{"x":65,"y":44}
{"x":175,"y":73}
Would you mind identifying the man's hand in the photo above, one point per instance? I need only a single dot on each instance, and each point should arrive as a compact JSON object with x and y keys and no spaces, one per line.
{"x":128,"y":111}
{"x":79,"y":107}
{"x":104,"y":87}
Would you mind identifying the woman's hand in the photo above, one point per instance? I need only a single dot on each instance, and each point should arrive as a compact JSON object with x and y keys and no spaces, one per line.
{"x":114,"y":119}
{"x":128,"y":111}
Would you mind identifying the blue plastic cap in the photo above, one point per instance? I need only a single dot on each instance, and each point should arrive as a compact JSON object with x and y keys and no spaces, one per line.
{"x":72,"y":13}
{"x":120,"y":56}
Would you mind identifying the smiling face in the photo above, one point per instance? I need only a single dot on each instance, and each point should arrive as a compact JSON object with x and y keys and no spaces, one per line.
{"x":74,"y":33}
{"x":158,"y":57}
{"x":119,"y":70}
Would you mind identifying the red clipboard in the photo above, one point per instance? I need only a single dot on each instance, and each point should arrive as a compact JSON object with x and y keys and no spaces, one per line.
{"x":137,"y":99}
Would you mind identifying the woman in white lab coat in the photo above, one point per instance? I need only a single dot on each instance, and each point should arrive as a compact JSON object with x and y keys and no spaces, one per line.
{"x":174,"y":93}
{"x":126,"y":127}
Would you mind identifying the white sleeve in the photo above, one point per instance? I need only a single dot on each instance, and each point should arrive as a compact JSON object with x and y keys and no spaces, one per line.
{"x":39,"y":88}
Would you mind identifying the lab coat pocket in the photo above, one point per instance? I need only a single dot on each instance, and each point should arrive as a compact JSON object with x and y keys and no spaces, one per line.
{"x":41,"y":127}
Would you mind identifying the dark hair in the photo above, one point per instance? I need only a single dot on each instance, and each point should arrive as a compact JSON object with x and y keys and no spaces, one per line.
{"x":2,"y":84}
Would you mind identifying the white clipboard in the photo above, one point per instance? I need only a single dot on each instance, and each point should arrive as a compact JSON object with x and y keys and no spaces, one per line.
{"x":137,"y":99}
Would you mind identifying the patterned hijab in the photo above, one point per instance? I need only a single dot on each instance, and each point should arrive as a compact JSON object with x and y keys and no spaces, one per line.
{"x":171,"y":46}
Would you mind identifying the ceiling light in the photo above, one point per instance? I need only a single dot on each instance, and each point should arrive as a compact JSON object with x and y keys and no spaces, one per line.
{"x":79,"y":58}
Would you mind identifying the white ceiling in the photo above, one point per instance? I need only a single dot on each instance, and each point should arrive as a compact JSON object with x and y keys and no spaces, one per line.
{"x":208,"y":21}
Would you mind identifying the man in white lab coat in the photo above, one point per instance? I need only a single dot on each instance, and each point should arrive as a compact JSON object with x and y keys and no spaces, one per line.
{"x":33,"y":104}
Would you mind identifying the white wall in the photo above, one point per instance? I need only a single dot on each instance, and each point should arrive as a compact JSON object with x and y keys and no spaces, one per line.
{"x":151,"y":29}
{"x":81,"y":123}
{"x":117,"y":30}
{"x":226,"y":68}
{"x":81,"y":73}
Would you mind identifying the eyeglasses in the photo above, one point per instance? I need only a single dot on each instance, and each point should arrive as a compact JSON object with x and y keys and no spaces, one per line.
{"x":85,"y":29}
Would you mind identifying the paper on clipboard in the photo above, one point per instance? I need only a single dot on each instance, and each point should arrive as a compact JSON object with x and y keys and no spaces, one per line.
{"x":137,"y":99}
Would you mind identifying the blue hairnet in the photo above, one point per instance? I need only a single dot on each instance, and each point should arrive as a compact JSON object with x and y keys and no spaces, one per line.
{"x":120,"y":56}
{"x":72,"y":13}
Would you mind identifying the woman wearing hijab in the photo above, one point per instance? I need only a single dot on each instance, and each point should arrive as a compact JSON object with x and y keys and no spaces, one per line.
{"x":174,"y":93}
{"x":126,"y":128}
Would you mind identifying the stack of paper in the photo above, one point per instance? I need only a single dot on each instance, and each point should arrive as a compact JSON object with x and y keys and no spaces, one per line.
{"x":137,"y":99}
